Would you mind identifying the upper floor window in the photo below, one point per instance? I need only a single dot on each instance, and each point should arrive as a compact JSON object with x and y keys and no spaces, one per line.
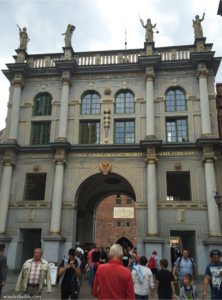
{"x":124,"y":132}
{"x":40,"y":133}
{"x":128,"y":201}
{"x":90,"y":104}
{"x":175,"y":100}
{"x":35,"y":187}
{"x":42,"y":105}
{"x":118,"y":200}
{"x":178,"y":186}
{"x":176,"y":130}
{"x":125,"y":103}
{"x":89,"y":132}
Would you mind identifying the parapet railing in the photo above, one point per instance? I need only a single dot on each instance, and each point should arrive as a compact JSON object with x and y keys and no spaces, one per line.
{"x":111,"y":57}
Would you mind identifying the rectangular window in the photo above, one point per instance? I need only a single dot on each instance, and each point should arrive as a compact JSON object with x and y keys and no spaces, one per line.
{"x":129,"y":201}
{"x":40,"y":133}
{"x":118,"y":201}
{"x":124,"y":132}
{"x":89,"y":132}
{"x":128,"y":224}
{"x":118,"y":224}
{"x":35,"y":187}
{"x":178,"y":186}
{"x":176,"y":130}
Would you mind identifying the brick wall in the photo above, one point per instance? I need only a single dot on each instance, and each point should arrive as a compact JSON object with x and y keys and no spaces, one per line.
{"x":107,"y":233}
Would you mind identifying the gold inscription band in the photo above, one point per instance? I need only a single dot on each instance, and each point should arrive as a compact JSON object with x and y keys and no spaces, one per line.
{"x":62,"y":138}
{"x":2,"y":233}
{"x":206,"y":134}
{"x":216,"y":236}
{"x":150,"y":136}
{"x":12,"y":140}
{"x":54,"y":233}
{"x":152,"y":234}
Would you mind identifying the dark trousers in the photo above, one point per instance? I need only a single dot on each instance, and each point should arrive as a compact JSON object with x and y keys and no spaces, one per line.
{"x":141,"y":297}
{"x":1,"y":286}
{"x":163,"y":296}
{"x":72,"y":291}
{"x":154,"y":271}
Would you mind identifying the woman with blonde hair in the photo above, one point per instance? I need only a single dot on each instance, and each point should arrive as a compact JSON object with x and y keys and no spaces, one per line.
{"x":136,"y":255}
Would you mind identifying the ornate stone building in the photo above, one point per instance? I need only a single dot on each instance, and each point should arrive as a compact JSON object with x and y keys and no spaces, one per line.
{"x":82,"y":126}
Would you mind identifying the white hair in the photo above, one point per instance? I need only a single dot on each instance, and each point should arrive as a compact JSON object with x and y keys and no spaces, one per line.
{"x":116,"y":250}
{"x":38,"y":249}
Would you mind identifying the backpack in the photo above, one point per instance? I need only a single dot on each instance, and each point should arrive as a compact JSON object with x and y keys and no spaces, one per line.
{"x":191,"y":259}
{"x":151,"y":264}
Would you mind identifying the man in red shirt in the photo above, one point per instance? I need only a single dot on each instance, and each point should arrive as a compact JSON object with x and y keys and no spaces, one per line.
{"x":89,"y":256}
{"x":113,"y":280}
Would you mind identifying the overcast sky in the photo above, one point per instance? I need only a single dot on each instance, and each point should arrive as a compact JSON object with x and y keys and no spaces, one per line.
{"x":100,"y":25}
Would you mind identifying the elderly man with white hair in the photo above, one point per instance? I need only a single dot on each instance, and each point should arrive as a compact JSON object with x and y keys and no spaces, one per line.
{"x":33,"y":275}
{"x":81,"y":256}
{"x":113,"y":280}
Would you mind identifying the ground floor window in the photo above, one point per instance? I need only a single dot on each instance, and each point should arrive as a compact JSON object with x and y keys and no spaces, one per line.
{"x":89,"y":132}
{"x":176,"y":130}
{"x":125,"y":132}
{"x":178,"y":186}
{"x":40,"y":133}
{"x":35,"y":187}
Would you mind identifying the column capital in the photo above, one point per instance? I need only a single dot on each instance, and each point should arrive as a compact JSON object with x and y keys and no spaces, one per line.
{"x":8,"y":162}
{"x":59,"y":161}
{"x":202,"y":74}
{"x":66,"y":81}
{"x":208,"y":159}
{"x":151,"y":160}
{"x":149,"y":77}
{"x":18,"y":83}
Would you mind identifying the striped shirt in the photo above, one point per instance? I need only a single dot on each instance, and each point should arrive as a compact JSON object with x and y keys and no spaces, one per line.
{"x":35,"y":272}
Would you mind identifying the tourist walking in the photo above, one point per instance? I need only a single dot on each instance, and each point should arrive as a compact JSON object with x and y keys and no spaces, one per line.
{"x":130,"y":252}
{"x":133,"y":262}
{"x":188,"y":291}
{"x":3,"y":267}
{"x":136,"y":255}
{"x":153,"y":263}
{"x":107,"y":253}
{"x":118,"y":284}
{"x":69,"y":273}
{"x":165,"y":282}
{"x":126,"y":258}
{"x":142,"y":280}
{"x":89,"y":256}
{"x":213,"y":274}
{"x":186,"y":265}
{"x":81,"y":256}
{"x":33,"y":275}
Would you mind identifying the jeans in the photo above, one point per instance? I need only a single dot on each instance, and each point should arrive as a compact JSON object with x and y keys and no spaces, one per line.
{"x":141,"y":297}
{"x":216,"y":296}
{"x":163,"y":296}
{"x":1,"y":286}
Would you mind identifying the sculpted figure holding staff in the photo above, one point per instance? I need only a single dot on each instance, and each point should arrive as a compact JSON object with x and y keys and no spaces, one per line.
{"x":149,"y":29}
{"x":24,"y":39}
{"x":68,"y":35}
{"x":198,"y":31}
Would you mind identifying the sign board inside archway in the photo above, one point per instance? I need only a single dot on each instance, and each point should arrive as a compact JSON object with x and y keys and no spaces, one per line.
{"x":123,"y":212}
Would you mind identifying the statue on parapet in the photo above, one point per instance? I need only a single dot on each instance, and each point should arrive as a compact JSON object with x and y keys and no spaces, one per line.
{"x":149,"y":29}
{"x":68,"y":35}
{"x":198,"y":31}
{"x":24,"y":39}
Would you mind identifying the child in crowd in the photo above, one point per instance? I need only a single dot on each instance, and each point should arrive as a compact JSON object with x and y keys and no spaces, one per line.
{"x":188,"y":291}
{"x":133,"y":263}
{"x":165,"y":282}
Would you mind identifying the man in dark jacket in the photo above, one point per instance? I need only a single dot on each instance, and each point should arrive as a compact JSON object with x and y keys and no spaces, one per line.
{"x":81,"y":256}
{"x":3,"y":266}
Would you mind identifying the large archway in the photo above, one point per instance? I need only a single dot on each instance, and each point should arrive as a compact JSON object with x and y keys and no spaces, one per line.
{"x":124,"y":242}
{"x":88,"y":196}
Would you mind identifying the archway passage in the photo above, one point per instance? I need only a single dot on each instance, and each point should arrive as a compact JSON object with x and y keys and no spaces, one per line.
{"x":124,"y":242}
{"x":90,"y":193}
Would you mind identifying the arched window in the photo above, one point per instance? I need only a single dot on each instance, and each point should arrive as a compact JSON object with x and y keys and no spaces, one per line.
{"x":125,"y":103}
{"x":175,"y":100}
{"x":90,"y":104}
{"x":42,"y":105}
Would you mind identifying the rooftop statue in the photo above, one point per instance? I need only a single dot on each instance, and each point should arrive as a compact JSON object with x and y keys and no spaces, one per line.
{"x":198,"y":31}
{"x":24,"y":39}
{"x":149,"y":30}
{"x":68,"y":35}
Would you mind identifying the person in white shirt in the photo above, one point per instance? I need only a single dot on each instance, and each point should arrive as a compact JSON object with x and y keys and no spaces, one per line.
{"x":143,"y":282}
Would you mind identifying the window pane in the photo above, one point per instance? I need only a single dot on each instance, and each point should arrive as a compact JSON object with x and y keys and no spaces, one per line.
{"x":39,"y":105}
{"x":181,"y":130}
{"x":125,"y":103}
{"x":36,"y":136}
{"x":85,"y":127}
{"x":48,"y":105}
{"x":171,"y":131}
{"x":89,"y":133}
{"x":45,"y":133}
{"x":125,"y":132}
{"x":41,"y":133}
{"x":180,"y":100}
{"x":178,"y":186}
{"x":35,"y":187}
{"x":170,"y":104}
{"x":91,"y":104}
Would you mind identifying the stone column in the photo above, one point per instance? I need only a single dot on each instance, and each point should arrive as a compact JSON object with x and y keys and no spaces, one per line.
{"x":64,"y":106}
{"x":13,"y":133}
{"x":5,"y":194}
{"x":55,"y":223}
{"x":150,"y":127}
{"x":204,"y":103}
{"x":213,"y":213}
{"x":152,"y":193}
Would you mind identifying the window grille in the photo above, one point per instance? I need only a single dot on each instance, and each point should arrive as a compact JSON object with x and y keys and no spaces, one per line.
{"x":35,"y":187}
{"x":91,"y":104}
{"x":118,"y":201}
{"x":125,"y":103}
{"x":42,"y":105}
{"x":175,"y":100}
{"x":178,"y":186}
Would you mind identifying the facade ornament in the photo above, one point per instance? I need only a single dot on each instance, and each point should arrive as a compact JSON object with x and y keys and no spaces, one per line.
{"x":149,"y":77}
{"x":36,"y":168}
{"x":106,"y":120}
{"x":107,"y":91}
{"x":18,"y":83}
{"x":209,"y":159}
{"x":43,"y":86}
{"x":8,"y":162}
{"x":208,"y":149}
{"x":177,"y":166}
{"x":198,"y":31}
{"x":60,"y":151}
{"x":91,"y":85}
{"x":149,"y":68}
{"x":66,"y":81}
{"x":68,"y":35}
{"x":151,"y":160}
{"x":24,"y":39}
{"x":149,"y":30}
{"x":105,"y":167}
{"x":125,"y":84}
{"x":59,"y":161}
{"x":150,"y":150}
{"x":202,"y":74}
{"x":175,"y":81}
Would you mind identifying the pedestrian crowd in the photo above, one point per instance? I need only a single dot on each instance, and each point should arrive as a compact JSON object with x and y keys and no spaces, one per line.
{"x":116,"y":273}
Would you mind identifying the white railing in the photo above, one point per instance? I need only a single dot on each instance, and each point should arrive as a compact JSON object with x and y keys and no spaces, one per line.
{"x":110,"y":59}
{"x":174,"y":55}
{"x":42,"y":62}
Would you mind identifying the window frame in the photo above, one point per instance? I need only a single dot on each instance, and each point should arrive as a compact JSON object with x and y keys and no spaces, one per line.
{"x":120,"y":223}
{"x":118,"y":198}
{"x":43,"y":109}
{"x":128,"y":203}
{"x":174,"y":89}
{"x":171,"y":119}
{"x":34,"y":175}
{"x":32,"y":132}
{"x":124,"y":120}
{"x":80,"y":130}
{"x":168,"y":173}
{"x":125,"y":92}
{"x":128,"y":222}
{"x":91,"y":93}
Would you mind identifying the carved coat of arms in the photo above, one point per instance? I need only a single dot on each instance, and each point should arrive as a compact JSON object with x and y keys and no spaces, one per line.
{"x":105,"y":167}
